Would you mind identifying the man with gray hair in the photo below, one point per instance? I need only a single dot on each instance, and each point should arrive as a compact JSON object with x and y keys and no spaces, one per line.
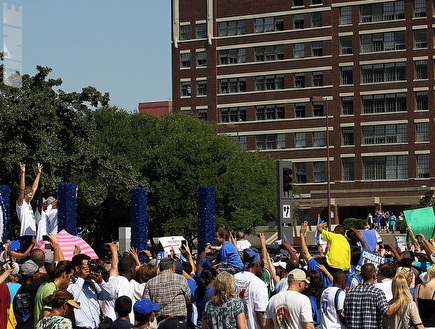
{"x":171,"y":291}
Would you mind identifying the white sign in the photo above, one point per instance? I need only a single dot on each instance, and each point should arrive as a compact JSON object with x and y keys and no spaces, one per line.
{"x":169,"y":242}
{"x":286,"y":211}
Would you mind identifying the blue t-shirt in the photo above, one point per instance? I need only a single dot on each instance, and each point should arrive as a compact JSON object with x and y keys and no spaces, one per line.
{"x":230,"y":255}
{"x":313,"y":265}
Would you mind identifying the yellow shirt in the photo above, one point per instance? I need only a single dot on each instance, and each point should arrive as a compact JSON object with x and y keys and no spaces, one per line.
{"x":338,"y":255}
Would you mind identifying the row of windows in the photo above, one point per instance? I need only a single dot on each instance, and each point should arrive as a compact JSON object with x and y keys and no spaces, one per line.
{"x":387,"y":41}
{"x":261,"y":54}
{"x":378,"y":12}
{"x":384,"y":72}
{"x":374,"y":168}
{"x":261,"y":25}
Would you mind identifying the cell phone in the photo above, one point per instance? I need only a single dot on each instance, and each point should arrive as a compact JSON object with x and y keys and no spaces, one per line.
{"x":45,"y":238}
{"x":419,"y":238}
{"x":48,"y":246}
{"x":387,"y":247}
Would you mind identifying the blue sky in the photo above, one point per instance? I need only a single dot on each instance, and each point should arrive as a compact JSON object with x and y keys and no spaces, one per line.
{"x":118,"y":46}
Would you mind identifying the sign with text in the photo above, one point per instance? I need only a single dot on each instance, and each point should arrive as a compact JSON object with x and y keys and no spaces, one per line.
{"x":367,"y":257}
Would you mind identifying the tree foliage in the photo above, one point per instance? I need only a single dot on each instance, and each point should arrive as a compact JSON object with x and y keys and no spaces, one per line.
{"x":107,"y":151}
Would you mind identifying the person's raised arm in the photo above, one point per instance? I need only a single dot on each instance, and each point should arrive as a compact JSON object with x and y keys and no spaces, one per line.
{"x":292,"y":251}
{"x":133,"y":253}
{"x":396,"y":255}
{"x":21,"y":255}
{"x":57,"y":251}
{"x":20,"y":199}
{"x":185,"y":251}
{"x":321,"y":226}
{"x":113,"y":247}
{"x":266,"y":258}
{"x":36,"y":181}
{"x":360,"y":238}
{"x":413,"y":238}
{"x":427,"y":245}
{"x":304,"y":248}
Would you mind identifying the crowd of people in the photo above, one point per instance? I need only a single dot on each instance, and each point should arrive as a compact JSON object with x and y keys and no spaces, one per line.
{"x":229,"y":285}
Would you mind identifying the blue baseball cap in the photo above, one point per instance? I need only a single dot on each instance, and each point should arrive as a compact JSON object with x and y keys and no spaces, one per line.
{"x":144,"y":307}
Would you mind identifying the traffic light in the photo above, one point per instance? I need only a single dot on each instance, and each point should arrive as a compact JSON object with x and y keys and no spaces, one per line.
{"x":287,"y":179}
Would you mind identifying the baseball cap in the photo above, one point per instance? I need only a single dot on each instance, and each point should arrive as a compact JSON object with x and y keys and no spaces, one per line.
{"x":73,"y":303}
{"x":144,"y":307}
{"x":49,"y":200}
{"x":280,"y":263}
{"x":299,"y":275}
{"x":205,"y":263}
{"x":49,"y":256}
{"x":29,"y":268}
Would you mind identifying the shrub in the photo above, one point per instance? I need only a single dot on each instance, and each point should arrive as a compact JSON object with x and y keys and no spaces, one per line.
{"x":357,"y":223}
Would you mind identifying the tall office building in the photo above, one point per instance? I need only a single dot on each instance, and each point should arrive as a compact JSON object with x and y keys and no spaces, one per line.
{"x":341,"y":85}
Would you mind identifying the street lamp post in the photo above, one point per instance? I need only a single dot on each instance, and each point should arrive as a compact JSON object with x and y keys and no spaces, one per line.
{"x":328,"y":175}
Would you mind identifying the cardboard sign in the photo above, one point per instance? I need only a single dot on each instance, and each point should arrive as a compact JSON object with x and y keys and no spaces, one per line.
{"x":421,"y":221}
{"x":169,"y":242}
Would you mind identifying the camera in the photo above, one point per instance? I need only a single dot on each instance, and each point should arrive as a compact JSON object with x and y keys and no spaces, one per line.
{"x":45,"y":238}
{"x":95,"y":267}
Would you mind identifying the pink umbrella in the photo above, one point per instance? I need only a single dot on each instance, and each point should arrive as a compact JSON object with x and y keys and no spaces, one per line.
{"x":67,"y":243}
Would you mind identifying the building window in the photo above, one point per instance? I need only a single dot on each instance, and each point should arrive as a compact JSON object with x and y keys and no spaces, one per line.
{"x":317,"y":79}
{"x":268,"y":24}
{"x":420,"y":40}
{"x":269,"y":82}
{"x":185,"y":88}
{"x":298,"y":3}
{"x":231,"y":28}
{"x":421,"y":100}
{"x":347,"y":136}
{"x":383,"y":72}
{"x":348,"y":169}
{"x":298,"y":21}
{"x":185,"y":59}
{"x":301,"y":172}
{"x":243,"y":142}
{"x":346,"y":45}
{"x":232,"y":56}
{"x":270,"y":53}
{"x":346,"y":15}
{"x":201,"y":58}
{"x":201,"y":114}
{"x":421,"y":69}
{"x":269,"y":112}
{"x":234,"y":85}
{"x":299,"y":80}
{"x":316,"y":2}
{"x":318,"y":138}
{"x":316,"y":19}
{"x":422,"y":132}
{"x":423,"y":166}
{"x":318,"y":109}
{"x":385,"y":167}
{"x":185,"y":32}
{"x":201,"y":87}
{"x":317,"y":48}
{"x":319,"y":172}
{"x":384,"y":103}
{"x":299,"y":50}
{"x":385,"y":11}
{"x":347,"y":75}
{"x":270,"y":142}
{"x":201,"y":31}
{"x":299,"y":110}
{"x":347,"y":105}
{"x":419,"y":8}
{"x":233,"y":114}
{"x":384,"y":134}
{"x":382,"y":41}
{"x":300,"y":140}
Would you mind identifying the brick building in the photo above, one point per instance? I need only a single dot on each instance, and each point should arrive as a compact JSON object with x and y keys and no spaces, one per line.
{"x":279,"y":74}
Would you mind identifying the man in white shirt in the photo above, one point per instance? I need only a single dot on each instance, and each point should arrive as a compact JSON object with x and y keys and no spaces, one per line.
{"x":24,"y":209}
{"x":251,"y":289}
{"x":290,"y":309}
{"x":121,"y":286}
{"x":332,"y":303}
